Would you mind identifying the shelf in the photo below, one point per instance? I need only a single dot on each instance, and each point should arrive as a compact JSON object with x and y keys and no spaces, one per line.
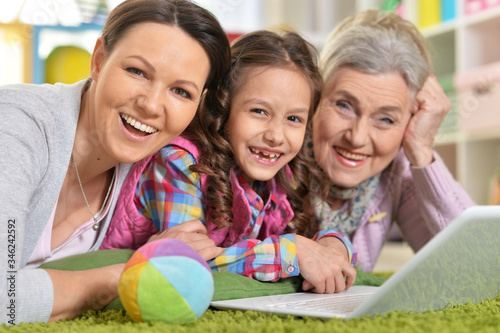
{"x":439,"y":29}
{"x":482,"y":17}
{"x":489,"y":134}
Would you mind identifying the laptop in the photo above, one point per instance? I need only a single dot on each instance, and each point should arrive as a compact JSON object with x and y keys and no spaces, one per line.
{"x":460,"y":264}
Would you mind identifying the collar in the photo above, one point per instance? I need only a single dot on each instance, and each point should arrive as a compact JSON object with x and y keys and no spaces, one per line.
{"x":255,"y":191}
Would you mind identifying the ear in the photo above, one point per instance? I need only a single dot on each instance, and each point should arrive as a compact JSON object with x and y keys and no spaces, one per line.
{"x":98,"y":57}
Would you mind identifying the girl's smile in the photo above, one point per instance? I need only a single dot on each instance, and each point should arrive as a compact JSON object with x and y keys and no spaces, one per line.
{"x":268,"y":119}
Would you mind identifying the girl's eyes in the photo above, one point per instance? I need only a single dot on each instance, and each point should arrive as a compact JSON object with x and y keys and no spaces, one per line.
{"x":181,"y":92}
{"x":258,"y":111}
{"x":295,"y":119}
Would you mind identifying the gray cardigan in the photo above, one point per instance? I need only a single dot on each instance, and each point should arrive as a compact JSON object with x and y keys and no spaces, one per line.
{"x":36,"y":140}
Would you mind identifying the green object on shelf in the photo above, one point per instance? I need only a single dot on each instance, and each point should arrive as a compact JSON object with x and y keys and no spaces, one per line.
{"x":390,"y":5}
{"x":449,"y":126}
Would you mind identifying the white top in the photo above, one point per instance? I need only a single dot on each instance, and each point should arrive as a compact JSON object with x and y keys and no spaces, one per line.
{"x":80,"y":241}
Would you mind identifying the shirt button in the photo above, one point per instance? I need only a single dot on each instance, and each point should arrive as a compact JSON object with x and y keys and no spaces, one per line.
{"x":290,"y":269}
{"x":283,"y":213}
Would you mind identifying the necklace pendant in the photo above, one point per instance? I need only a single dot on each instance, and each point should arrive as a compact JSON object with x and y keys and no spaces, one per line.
{"x":95,"y":227}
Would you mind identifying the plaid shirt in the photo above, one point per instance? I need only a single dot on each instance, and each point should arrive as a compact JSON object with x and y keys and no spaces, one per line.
{"x":168,"y":193}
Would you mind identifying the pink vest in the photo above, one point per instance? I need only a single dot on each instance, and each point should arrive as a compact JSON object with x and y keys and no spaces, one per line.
{"x":130,"y":229}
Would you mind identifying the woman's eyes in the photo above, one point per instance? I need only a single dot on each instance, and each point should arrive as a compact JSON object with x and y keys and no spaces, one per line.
{"x":178,"y":91}
{"x":387,"y":120}
{"x":343,"y":106}
{"x":181,"y":92}
{"x":346,"y":109}
{"x":136,"y":71}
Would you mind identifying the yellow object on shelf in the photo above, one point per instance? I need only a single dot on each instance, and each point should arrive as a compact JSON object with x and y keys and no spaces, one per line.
{"x":67,"y":64}
{"x":429,"y":13}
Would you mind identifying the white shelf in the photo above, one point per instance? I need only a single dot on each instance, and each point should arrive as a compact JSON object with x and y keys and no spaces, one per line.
{"x":470,"y":42}
{"x":439,"y":29}
{"x":460,"y":45}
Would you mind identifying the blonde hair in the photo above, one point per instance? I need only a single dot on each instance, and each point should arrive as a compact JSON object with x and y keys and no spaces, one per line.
{"x":378,"y":42}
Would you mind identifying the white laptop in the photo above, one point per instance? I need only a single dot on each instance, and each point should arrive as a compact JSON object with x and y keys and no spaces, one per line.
{"x":460,"y":264}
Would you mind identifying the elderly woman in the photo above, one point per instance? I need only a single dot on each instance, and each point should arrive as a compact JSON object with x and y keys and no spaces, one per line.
{"x":373,"y":136}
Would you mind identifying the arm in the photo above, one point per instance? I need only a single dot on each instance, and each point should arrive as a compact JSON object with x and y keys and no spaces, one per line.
{"x":168,"y":192}
{"x":281,"y":256}
{"x":267,"y":260}
{"x":430,"y":197}
{"x":431,"y":106}
{"x":170,"y":195}
{"x":22,"y":169}
{"x":80,"y":291}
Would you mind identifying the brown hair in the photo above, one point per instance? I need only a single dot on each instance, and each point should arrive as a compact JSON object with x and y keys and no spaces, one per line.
{"x":208,"y":129}
{"x":195,"y":21}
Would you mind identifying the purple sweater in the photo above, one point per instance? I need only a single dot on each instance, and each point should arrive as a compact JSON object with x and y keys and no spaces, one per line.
{"x":422,"y":201}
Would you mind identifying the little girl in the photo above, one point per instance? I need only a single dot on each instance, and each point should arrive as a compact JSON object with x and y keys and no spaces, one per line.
{"x":239,"y":169}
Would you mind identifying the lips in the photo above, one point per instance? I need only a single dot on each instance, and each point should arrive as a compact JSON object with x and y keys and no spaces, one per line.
{"x":265,"y":156}
{"x":349,"y":158}
{"x":134,"y":123}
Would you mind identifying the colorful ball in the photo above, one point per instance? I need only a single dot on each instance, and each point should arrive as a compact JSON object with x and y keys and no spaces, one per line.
{"x":166,"y":280}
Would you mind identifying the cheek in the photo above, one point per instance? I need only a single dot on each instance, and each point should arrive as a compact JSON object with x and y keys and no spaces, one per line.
{"x":297,"y":140}
{"x":389,"y":144}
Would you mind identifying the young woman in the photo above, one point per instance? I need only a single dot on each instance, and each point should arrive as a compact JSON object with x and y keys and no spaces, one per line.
{"x":63,"y":153}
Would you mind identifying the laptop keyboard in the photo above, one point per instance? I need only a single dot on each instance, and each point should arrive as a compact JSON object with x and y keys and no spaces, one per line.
{"x":336,"y":304}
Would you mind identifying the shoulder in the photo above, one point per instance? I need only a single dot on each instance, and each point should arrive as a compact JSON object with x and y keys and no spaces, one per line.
{"x":50,"y":108}
{"x":45,"y":96}
{"x":173,"y":154}
{"x":173,"y":162}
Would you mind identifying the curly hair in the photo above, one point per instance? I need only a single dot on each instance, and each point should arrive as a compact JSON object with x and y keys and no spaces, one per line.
{"x":286,"y":49}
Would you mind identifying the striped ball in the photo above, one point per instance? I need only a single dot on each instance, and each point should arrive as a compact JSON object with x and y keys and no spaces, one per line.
{"x":166,"y":280}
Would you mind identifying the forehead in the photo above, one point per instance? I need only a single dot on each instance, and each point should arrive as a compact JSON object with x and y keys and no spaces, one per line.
{"x":375,"y":90}
{"x":271,"y":75}
{"x":156,"y":36}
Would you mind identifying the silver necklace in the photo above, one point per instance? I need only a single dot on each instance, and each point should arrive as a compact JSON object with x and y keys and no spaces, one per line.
{"x":95,"y":227}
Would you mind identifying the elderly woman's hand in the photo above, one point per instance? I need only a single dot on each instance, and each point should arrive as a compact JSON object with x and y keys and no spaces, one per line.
{"x":431,"y":106}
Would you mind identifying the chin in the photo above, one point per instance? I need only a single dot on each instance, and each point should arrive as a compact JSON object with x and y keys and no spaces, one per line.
{"x":345,"y":181}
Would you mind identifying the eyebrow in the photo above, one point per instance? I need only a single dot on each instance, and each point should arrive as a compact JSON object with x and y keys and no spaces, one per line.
{"x":153,"y":70}
{"x":146,"y":63}
{"x":267,"y":105}
{"x":356,"y":101}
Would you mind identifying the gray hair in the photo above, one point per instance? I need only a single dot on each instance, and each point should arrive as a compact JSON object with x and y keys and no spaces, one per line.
{"x":378,"y":42}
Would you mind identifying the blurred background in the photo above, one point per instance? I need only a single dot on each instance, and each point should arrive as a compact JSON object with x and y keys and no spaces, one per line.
{"x":48,"y":41}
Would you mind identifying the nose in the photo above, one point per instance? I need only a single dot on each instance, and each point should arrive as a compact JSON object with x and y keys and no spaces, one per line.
{"x":358,"y":134}
{"x":274,"y":133}
{"x":151,"y":100}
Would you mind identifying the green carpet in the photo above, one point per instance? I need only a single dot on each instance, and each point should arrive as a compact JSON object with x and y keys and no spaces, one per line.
{"x":483,"y":317}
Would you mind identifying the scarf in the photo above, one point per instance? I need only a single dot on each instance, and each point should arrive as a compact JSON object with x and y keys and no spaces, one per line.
{"x":346,"y":218}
